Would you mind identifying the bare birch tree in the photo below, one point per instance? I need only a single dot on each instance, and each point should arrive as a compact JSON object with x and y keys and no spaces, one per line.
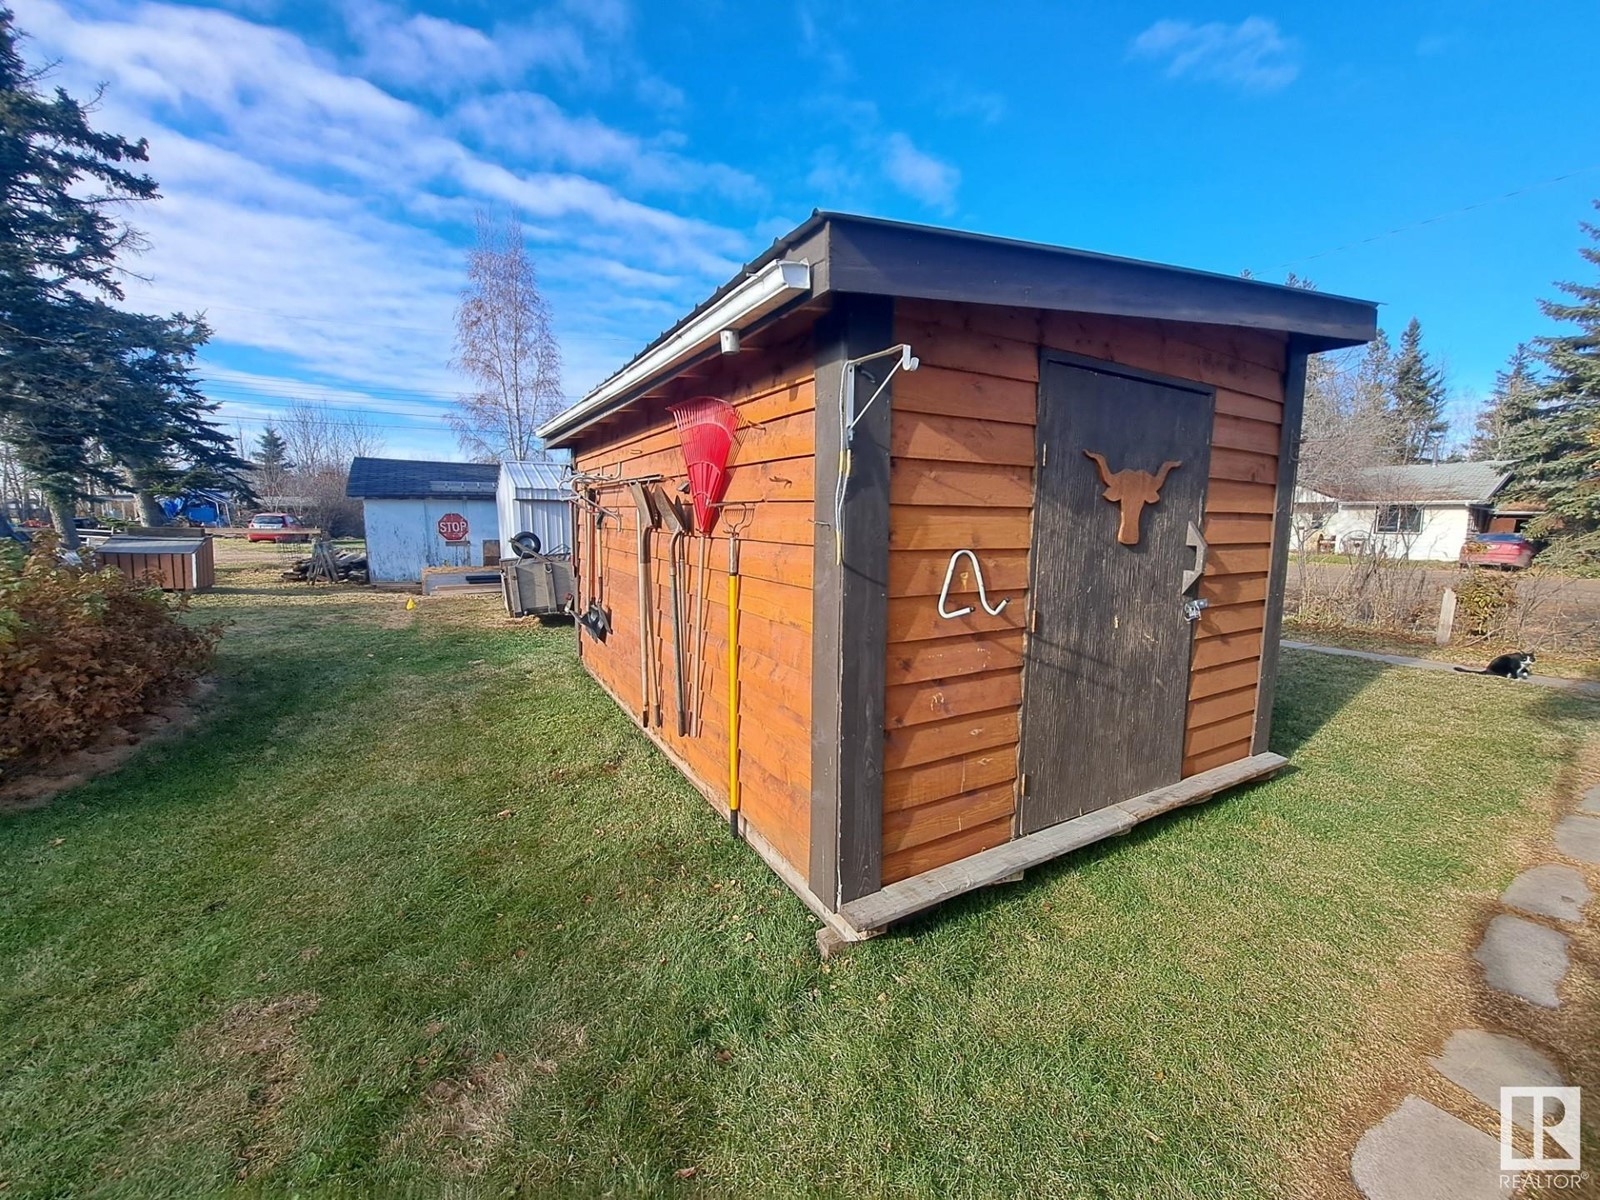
{"x":505,"y":345}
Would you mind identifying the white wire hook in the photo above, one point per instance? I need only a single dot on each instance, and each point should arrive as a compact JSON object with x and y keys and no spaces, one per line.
{"x":983,"y":597}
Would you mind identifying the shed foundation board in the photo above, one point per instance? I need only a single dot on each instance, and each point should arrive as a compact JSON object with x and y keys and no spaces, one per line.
{"x":910,"y":896}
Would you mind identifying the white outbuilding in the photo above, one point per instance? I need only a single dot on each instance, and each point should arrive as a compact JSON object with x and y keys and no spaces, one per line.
{"x":533,"y":497}
{"x":425,"y":514}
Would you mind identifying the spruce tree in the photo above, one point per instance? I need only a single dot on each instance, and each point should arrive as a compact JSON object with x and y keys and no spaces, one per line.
{"x":1558,"y":448}
{"x":1418,"y":399}
{"x":272,"y":452}
{"x":1513,"y":403}
{"x":60,"y":184}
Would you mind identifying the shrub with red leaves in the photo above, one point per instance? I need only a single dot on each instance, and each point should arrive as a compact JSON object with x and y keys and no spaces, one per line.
{"x":83,"y":650}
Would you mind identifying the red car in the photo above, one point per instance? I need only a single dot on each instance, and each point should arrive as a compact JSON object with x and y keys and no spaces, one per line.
{"x":275,"y":527}
{"x":1508,"y":551}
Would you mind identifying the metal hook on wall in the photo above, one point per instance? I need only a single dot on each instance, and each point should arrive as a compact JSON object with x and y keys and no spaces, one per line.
{"x":983,"y":597}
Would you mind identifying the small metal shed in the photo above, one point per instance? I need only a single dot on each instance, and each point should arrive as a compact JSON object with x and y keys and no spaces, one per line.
{"x":174,"y":564}
{"x":421,"y":514}
{"x":533,"y":497}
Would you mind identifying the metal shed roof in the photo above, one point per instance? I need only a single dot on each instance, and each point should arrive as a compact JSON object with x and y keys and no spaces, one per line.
{"x":404,"y":478}
{"x":125,"y":543}
{"x":537,"y":480}
{"x":842,"y":253}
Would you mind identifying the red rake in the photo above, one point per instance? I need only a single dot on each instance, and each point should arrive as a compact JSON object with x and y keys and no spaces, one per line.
{"x":706,"y":427}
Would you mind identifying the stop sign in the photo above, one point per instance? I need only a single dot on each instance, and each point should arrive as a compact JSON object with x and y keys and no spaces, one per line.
{"x":453,"y":527}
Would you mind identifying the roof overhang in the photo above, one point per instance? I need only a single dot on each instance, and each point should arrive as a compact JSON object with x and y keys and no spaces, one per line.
{"x":768,"y":289}
{"x":841,"y":253}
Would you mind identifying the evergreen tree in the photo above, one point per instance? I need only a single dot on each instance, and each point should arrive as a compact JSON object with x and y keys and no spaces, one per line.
{"x":60,"y":181}
{"x":1513,"y":403}
{"x":159,"y":431}
{"x":272,"y":452}
{"x":89,"y":393}
{"x":1558,"y":448}
{"x":1418,"y":399}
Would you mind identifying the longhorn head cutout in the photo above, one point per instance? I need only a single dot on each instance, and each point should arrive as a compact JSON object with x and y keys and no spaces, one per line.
{"x":1132,"y":490}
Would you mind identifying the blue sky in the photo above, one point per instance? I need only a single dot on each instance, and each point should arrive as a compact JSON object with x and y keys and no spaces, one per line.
{"x":321,"y":163}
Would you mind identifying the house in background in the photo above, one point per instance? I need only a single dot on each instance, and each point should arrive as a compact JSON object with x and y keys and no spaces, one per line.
{"x":425,"y":514}
{"x":1422,"y":511}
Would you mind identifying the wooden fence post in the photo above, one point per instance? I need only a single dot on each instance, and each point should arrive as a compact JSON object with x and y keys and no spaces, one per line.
{"x":1447,"y":618}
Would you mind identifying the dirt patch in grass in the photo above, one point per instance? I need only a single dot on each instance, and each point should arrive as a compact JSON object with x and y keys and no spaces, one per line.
{"x":255,"y":1044}
{"x":34,"y":786}
{"x":463,"y":1116}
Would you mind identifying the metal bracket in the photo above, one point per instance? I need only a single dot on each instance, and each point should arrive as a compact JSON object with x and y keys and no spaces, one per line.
{"x":1193,"y":608}
{"x":1195,"y":541}
{"x":983,"y":598}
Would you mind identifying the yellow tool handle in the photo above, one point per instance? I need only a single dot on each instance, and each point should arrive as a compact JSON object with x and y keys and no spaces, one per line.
{"x":733,"y":699}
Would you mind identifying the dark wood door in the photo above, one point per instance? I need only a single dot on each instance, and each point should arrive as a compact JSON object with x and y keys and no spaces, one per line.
{"x":1106,"y":669}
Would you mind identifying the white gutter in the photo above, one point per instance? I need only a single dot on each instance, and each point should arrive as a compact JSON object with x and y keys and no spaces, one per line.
{"x":769,"y":288}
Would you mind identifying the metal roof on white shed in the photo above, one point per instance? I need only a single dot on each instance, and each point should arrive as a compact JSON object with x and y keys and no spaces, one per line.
{"x":537,"y":480}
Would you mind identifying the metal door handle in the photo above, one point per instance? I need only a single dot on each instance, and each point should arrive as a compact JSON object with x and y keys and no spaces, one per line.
{"x":1196,"y":542}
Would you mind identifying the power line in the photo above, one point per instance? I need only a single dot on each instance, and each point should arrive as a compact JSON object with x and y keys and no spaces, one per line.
{"x":1455,"y":212}
{"x":325,"y":322}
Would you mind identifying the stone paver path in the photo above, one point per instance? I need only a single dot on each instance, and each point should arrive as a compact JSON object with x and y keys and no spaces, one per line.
{"x":1421,"y":1152}
{"x":1524,"y":959}
{"x":1579,"y":837}
{"x":1549,"y":891}
{"x":1482,"y":1063}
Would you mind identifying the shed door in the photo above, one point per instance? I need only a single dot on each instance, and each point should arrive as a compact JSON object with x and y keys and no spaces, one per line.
{"x":1106,"y":667}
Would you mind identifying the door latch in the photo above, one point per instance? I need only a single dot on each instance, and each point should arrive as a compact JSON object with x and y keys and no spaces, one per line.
{"x":1193,"y":608}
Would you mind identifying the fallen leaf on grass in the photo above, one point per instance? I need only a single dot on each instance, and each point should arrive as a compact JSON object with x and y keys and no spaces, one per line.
{"x":504,"y":812}
{"x":686,"y":1172}
{"x":434,"y":1028}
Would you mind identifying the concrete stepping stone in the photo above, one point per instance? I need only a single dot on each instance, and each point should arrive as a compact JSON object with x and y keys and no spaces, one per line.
{"x":1482,"y":1063}
{"x":1579,"y":838}
{"x":1421,"y":1152}
{"x":1548,"y":891}
{"x":1523,"y":959}
{"x":1591,"y":801}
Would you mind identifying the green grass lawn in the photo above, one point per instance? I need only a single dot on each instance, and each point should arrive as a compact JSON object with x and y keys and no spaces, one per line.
{"x":416,"y":908}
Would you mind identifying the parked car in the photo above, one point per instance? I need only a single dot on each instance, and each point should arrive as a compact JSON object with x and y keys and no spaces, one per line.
{"x":275,"y":527}
{"x":1508,"y":551}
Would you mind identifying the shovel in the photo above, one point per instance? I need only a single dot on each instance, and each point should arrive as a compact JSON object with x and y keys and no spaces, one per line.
{"x":672,"y":517}
{"x":647,"y":522}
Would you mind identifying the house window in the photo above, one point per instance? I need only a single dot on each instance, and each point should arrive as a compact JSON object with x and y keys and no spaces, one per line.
{"x":1399,"y":518}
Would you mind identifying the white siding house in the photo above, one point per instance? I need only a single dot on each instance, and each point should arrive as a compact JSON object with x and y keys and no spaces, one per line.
{"x":533,"y":497}
{"x":405,"y":501}
{"x":1423,"y":511}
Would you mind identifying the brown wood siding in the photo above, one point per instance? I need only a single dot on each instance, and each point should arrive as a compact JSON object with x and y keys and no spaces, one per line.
{"x":170,"y":572}
{"x":963,"y":446}
{"x":771,"y":464}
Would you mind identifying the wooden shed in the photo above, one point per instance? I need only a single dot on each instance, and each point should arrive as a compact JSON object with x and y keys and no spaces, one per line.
{"x":1012,"y":525}
{"x":174,"y":562}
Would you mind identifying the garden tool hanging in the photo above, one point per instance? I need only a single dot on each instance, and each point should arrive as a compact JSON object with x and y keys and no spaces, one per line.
{"x":673,"y":518}
{"x":647,"y":522}
{"x":706,"y":426}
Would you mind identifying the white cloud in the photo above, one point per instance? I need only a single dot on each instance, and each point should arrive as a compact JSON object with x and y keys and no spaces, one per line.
{"x":533,"y":130}
{"x":429,"y":54}
{"x":919,"y":174}
{"x":320,"y":219}
{"x":1252,"y":55}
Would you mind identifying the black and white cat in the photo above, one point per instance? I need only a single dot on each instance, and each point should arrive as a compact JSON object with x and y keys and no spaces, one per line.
{"x":1507,"y":666}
